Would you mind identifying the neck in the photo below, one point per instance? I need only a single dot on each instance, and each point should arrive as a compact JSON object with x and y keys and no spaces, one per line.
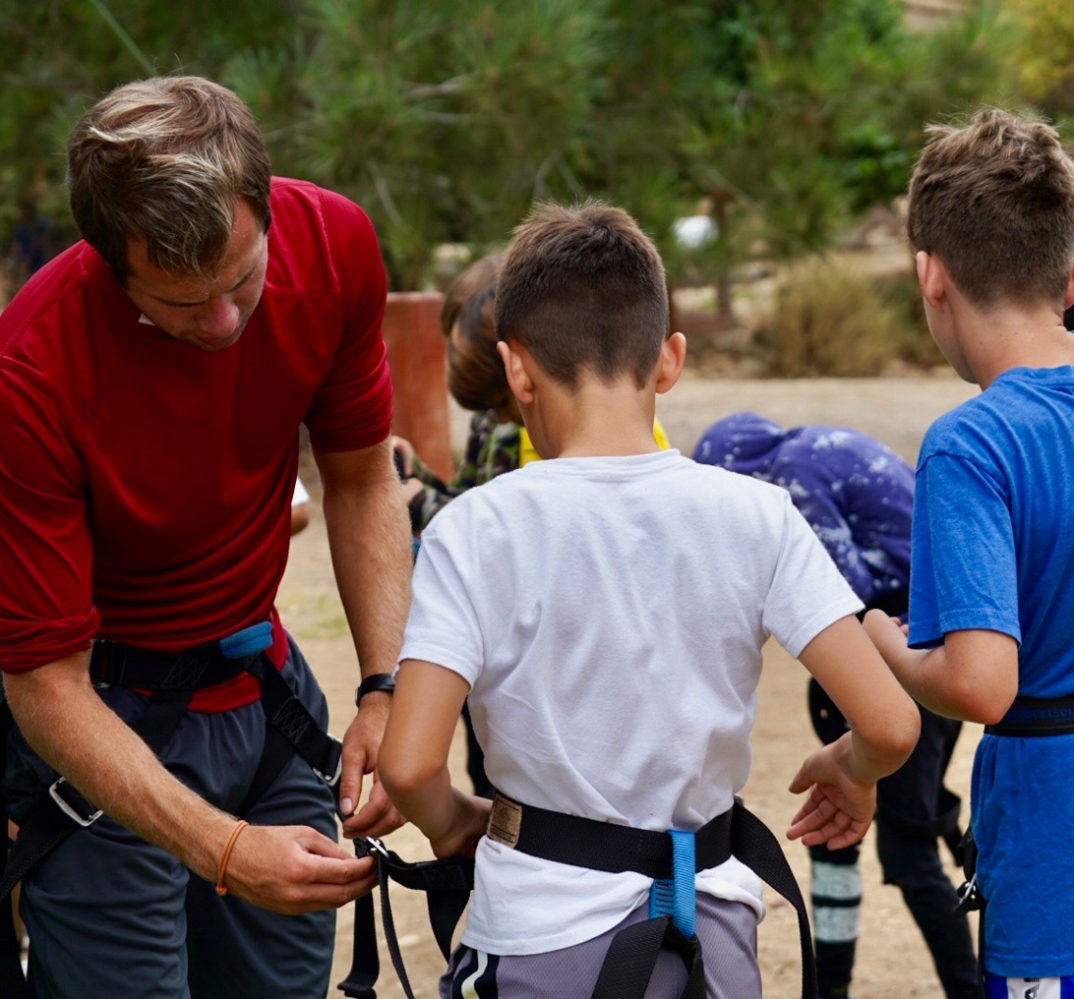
{"x":1010,"y":336}
{"x":596,"y":420}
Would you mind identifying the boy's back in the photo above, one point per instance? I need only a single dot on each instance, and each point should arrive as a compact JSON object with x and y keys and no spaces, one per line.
{"x":608,"y":649}
{"x":1006,"y":456}
{"x":991,"y":220}
{"x":613,"y":656}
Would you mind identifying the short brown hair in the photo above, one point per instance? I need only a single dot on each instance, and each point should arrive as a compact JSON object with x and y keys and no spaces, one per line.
{"x":994,"y":200}
{"x":163,"y":160}
{"x":583,"y":289}
{"x":476,"y":379}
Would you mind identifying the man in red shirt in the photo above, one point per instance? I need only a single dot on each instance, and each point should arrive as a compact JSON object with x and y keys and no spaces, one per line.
{"x":153,"y":378}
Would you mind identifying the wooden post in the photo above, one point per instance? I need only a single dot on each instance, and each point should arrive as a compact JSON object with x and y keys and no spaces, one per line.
{"x":417,"y":353}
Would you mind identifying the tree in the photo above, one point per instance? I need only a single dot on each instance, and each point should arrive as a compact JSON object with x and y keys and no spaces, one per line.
{"x":447,"y":120}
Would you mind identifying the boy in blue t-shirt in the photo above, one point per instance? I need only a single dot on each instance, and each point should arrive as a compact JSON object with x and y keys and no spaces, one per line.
{"x":991,"y":633}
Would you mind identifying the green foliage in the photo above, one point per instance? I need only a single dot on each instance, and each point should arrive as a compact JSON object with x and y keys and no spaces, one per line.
{"x":447,"y":120}
{"x":1042,"y":34}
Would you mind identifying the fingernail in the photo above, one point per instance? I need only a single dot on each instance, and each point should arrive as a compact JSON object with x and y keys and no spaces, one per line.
{"x":346,"y":806}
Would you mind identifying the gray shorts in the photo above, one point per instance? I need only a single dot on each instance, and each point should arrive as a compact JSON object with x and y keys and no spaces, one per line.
{"x":110,"y":915}
{"x":728,"y":935}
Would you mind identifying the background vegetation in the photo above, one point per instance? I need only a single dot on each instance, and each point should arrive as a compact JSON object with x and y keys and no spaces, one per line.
{"x":783,"y":121}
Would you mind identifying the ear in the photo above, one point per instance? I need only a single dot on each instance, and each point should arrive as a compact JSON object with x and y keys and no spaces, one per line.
{"x":931,"y":277}
{"x":1068,"y":298}
{"x":672,"y":359}
{"x":514,"y":366}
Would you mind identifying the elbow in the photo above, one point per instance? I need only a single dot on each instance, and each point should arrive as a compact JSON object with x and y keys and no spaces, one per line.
{"x":975,"y":700}
{"x":986,"y":706}
{"x":405,"y":775}
{"x":902,"y":728}
{"x":892,"y":737}
{"x":907,"y":731}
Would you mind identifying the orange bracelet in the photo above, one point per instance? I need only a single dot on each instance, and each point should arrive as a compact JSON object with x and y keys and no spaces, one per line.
{"x":221,"y":888}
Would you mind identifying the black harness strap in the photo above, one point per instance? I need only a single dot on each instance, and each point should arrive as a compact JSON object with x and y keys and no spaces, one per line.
{"x":581,"y":842}
{"x":632,"y":957}
{"x":609,"y":847}
{"x":447,"y":885}
{"x":1036,"y":716}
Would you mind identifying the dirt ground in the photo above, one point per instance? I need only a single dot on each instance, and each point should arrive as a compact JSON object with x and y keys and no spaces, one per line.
{"x":892,"y":960}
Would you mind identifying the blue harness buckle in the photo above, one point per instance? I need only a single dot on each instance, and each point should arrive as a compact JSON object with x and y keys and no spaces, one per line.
{"x":676,"y":896}
{"x":256,"y":638}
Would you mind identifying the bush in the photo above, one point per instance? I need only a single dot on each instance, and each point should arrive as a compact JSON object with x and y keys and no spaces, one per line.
{"x":832,"y":320}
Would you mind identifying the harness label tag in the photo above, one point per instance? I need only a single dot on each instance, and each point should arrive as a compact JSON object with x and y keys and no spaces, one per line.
{"x":505,"y":821}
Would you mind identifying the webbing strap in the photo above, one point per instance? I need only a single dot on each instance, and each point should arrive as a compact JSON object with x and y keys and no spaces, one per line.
{"x":1036,"y":716}
{"x":632,"y":955}
{"x":447,"y":885}
{"x":633,"y":951}
{"x":756,"y":846}
{"x":676,"y":896}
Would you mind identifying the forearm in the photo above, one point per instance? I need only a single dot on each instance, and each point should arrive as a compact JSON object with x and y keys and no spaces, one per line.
{"x":77,"y":734}
{"x":973,"y":676}
{"x":369,"y":537}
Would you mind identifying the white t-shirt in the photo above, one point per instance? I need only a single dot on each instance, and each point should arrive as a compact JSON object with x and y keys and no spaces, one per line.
{"x":608,"y":614}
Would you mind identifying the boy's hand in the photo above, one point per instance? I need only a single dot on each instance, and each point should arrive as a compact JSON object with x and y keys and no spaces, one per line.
{"x":838,"y":810}
{"x":468,"y":825}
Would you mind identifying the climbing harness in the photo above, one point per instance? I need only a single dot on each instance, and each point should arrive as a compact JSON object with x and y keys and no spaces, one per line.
{"x":671,"y":859}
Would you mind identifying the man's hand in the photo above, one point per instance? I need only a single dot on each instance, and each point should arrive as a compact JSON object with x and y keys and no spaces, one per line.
{"x":293,"y":869}
{"x":838,"y":810}
{"x":378,"y":816}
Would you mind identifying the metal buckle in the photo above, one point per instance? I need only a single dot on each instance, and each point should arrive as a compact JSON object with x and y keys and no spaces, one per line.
{"x":71,"y":808}
{"x":969,"y":898}
{"x":333,"y":780}
{"x":376,"y":846}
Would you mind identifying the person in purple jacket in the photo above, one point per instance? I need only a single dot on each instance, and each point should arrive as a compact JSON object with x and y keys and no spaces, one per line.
{"x":857,"y":495}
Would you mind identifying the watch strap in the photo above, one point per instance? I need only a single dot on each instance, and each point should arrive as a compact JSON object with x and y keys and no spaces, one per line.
{"x":375,"y":682}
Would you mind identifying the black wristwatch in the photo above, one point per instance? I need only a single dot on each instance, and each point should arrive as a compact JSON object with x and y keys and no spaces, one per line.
{"x":378,"y":681}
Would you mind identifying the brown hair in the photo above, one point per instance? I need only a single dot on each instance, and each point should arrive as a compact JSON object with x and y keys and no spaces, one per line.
{"x":583,"y":289}
{"x":163,"y":160}
{"x":476,"y":378}
{"x":994,"y":200}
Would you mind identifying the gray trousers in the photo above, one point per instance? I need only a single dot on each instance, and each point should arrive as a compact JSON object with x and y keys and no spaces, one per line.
{"x":728,"y":935}
{"x":110,"y":915}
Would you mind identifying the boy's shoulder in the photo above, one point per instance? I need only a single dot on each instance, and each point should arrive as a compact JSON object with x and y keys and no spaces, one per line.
{"x":1014,"y":405}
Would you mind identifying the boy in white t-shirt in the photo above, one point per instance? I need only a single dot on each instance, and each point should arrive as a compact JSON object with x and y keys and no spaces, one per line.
{"x":604,"y":613}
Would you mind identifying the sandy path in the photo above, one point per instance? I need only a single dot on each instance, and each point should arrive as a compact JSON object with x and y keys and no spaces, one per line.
{"x":892,"y":960}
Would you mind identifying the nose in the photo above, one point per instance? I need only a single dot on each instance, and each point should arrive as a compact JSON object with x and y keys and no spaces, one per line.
{"x":219,"y":316}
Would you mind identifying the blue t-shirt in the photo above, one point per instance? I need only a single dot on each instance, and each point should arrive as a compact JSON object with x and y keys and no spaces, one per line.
{"x":993,"y":548}
{"x":854,"y":492}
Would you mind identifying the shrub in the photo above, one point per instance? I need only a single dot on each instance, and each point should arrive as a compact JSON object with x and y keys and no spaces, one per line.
{"x":832,"y":320}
